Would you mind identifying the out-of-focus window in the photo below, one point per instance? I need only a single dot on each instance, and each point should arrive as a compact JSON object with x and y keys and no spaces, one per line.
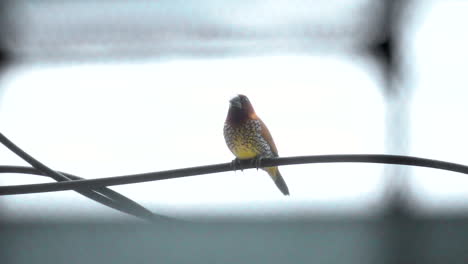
{"x":103,"y":88}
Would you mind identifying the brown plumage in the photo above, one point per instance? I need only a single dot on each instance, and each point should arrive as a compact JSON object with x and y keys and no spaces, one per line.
{"x":248,"y":137}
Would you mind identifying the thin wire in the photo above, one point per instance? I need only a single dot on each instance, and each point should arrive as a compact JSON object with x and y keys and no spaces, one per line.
{"x":101,"y":195}
{"x":245,"y":164}
{"x":138,"y":213}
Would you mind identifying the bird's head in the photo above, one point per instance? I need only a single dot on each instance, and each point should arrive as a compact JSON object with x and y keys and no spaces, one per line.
{"x":240,"y":102}
{"x":240,"y":108}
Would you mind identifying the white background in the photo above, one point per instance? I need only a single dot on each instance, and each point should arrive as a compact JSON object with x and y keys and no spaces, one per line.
{"x":109,"y":119}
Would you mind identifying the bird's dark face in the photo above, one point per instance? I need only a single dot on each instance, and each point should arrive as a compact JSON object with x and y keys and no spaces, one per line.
{"x":240,"y":109}
{"x":240,"y":101}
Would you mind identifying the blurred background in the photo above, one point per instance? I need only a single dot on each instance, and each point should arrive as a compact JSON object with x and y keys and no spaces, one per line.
{"x":106,"y":88}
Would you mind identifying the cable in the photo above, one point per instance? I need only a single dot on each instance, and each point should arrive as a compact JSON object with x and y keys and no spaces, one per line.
{"x":101,"y":195}
{"x":245,"y":164}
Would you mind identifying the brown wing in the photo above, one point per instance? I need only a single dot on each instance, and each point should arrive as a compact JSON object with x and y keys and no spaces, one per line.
{"x":267,"y":136}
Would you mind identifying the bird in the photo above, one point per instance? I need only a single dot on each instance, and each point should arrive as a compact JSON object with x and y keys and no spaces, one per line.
{"x":247,"y":137}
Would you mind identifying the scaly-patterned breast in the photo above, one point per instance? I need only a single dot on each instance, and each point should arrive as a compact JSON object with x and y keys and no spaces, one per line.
{"x":246,"y":141}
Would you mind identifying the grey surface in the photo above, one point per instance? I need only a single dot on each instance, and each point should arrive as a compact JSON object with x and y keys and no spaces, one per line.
{"x":71,"y":30}
{"x":191,"y":243}
{"x":391,"y":240}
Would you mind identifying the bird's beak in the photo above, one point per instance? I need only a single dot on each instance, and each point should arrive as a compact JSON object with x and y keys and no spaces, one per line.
{"x":235,"y":102}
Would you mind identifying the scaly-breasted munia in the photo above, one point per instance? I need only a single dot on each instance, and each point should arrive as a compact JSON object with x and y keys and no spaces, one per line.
{"x":248,"y":137}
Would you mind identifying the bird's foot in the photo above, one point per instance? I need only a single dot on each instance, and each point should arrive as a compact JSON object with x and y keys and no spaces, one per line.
{"x":235,"y":164}
{"x":256,"y":161}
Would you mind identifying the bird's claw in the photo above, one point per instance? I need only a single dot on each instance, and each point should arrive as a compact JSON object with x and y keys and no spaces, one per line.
{"x":256,"y":161}
{"x":235,"y":164}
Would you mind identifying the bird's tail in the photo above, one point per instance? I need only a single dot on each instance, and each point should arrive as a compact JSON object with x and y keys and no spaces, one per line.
{"x":278,"y":179}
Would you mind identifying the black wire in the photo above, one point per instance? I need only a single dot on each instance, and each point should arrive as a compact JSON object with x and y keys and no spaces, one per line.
{"x":246,"y":164}
{"x":101,"y":195}
{"x":105,"y":191}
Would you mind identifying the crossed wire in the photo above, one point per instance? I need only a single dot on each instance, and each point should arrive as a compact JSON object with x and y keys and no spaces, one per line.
{"x":96,"y":189}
